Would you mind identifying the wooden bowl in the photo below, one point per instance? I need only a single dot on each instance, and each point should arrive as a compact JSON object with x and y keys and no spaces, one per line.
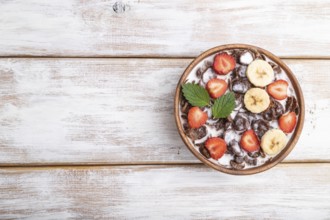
{"x":291,"y":143}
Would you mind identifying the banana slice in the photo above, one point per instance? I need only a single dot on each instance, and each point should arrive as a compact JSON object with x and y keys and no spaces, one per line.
{"x":256,"y":100}
{"x":260,"y":73}
{"x":273,"y":141}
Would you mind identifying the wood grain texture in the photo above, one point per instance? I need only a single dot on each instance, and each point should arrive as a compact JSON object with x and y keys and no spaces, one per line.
{"x":117,"y":111}
{"x":181,"y":28}
{"x":165,"y":192}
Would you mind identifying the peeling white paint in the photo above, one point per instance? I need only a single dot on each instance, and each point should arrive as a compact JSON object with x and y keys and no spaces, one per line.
{"x":169,"y":28}
{"x":120,"y":111}
{"x":165,"y":192}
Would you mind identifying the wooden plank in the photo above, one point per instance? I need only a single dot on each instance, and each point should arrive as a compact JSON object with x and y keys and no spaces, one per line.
{"x":165,"y":192}
{"x":117,"y":111}
{"x":181,"y":28}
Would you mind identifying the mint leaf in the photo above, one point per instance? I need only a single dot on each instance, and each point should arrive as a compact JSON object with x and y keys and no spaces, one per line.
{"x":223,"y":106}
{"x":195,"y":94}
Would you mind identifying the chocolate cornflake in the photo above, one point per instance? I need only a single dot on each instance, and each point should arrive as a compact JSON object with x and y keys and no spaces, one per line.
{"x":196,"y":133}
{"x":294,"y":104}
{"x":291,"y":105}
{"x":220,"y":124}
{"x":185,"y":108}
{"x":274,"y":111}
{"x":267,"y":115}
{"x":238,"y":159}
{"x":262,"y":153}
{"x":230,"y":119}
{"x":254,"y":154}
{"x":236,"y":166}
{"x":279,"y":110}
{"x":199,"y":73}
{"x":236,"y":54}
{"x":240,"y":71}
{"x":277,"y":69}
{"x":240,"y":85}
{"x":288,"y":104}
{"x":227,"y":125}
{"x":202,"y":70}
{"x":238,"y":101}
{"x":183,"y":101}
{"x":235,"y":149}
{"x":250,"y":161}
{"x":204,"y":152}
{"x":260,"y":127}
{"x":241,"y":122}
{"x":185,"y":127}
{"x":260,"y":56}
{"x":238,"y":97}
{"x":208,"y":64}
{"x":200,"y":145}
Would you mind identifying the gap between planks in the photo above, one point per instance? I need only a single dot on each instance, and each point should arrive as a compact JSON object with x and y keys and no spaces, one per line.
{"x":148,"y":57}
{"x":169,"y":164}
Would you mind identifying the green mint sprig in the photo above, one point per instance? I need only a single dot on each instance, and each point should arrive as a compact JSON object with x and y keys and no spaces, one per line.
{"x":196,"y":95}
{"x":223,"y":106}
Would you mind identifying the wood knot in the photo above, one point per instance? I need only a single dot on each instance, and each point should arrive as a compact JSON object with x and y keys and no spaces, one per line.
{"x":120,"y":7}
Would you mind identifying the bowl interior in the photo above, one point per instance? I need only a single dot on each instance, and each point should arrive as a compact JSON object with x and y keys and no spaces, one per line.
{"x":295,"y":136}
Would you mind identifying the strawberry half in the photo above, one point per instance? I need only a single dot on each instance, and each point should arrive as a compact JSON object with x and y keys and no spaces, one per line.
{"x":196,"y":117}
{"x":216,"y":146}
{"x":288,"y":122}
{"x":249,"y":141}
{"x":278,"y":89}
{"x":216,"y":87}
{"x":223,"y":63}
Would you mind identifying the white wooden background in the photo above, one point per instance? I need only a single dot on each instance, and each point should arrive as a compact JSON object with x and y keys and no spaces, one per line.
{"x":86,"y":109}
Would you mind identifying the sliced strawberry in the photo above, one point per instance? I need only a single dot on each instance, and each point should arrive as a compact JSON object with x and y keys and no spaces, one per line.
{"x":216,"y":146}
{"x":223,"y":63}
{"x":249,"y":141}
{"x":278,"y":89}
{"x":288,"y":122}
{"x":196,"y":117}
{"x":216,"y":87}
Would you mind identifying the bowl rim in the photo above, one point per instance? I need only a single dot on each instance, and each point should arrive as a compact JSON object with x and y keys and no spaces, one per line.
{"x":295,"y":136}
